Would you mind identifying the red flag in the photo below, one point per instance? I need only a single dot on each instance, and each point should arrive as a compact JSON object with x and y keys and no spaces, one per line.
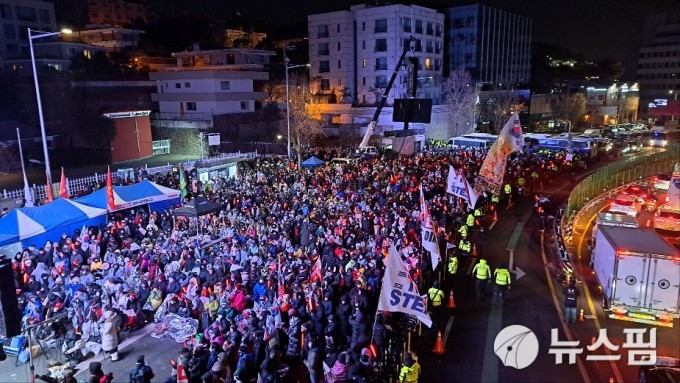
{"x":63,"y":192}
{"x":48,"y":191}
{"x":109,"y":190}
{"x":316,"y":270}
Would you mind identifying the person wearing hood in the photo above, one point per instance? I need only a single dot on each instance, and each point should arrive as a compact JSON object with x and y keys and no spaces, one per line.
{"x":410,"y":371}
{"x":314,"y":361}
{"x":110,"y":334}
{"x":482,"y":273}
{"x":141,"y":372}
{"x":360,"y":336}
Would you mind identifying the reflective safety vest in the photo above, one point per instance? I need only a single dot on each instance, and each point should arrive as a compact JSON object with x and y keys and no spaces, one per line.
{"x":494,"y":198}
{"x":478,"y":212}
{"x":464,"y":245}
{"x":520,"y":181}
{"x":534,"y":175}
{"x":409,"y":374}
{"x":470,"y":221}
{"x":482,"y":271}
{"x":463,"y":231}
{"x":436,"y":296}
{"x":507,"y":189}
{"x":502,"y":277}
{"x":453,"y":265}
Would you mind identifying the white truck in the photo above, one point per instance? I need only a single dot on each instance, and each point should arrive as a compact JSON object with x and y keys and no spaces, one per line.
{"x":613,"y":219}
{"x":639,"y":273}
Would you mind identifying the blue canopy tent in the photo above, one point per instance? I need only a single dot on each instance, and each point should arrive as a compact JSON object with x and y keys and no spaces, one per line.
{"x":36,"y":225}
{"x":312,"y":162}
{"x":159,"y":198}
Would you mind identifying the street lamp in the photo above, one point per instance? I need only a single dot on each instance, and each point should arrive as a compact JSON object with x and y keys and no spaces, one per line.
{"x":675,"y":99}
{"x":31,"y":37}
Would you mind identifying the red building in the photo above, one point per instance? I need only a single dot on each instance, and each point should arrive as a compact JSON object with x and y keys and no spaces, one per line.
{"x":132,"y":138}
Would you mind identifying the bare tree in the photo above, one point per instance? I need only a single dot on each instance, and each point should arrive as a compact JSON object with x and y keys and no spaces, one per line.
{"x":500,"y":106}
{"x":460,"y":98}
{"x":577,"y":107}
{"x":304,"y":129}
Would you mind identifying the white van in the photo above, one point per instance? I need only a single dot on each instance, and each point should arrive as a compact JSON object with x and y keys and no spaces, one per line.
{"x":368,"y":151}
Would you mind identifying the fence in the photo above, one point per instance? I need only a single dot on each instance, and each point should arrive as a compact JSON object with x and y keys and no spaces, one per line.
{"x":620,"y":173}
{"x":77,"y":186}
{"x":160,"y":147}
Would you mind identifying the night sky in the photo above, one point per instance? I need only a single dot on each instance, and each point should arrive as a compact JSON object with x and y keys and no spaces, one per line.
{"x":594,"y":28}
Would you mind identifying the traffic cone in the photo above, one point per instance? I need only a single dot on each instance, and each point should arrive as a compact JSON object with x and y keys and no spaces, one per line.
{"x":580,"y":317}
{"x":439,"y":345}
{"x":495,"y":216}
{"x":474,"y":250}
{"x":452,"y":303}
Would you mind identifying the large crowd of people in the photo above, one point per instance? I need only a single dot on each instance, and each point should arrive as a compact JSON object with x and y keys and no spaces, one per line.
{"x":283,"y":281}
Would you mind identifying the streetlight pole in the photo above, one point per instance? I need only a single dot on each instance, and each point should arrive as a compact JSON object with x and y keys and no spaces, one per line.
{"x":31,"y":37}
{"x":286,"y":68}
{"x":675,"y":99}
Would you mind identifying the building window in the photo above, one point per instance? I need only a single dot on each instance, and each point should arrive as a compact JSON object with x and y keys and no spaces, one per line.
{"x":419,"y":26}
{"x":429,"y":47}
{"x":437,"y":64}
{"x":339,"y":82}
{"x":10,"y":32}
{"x":339,"y":64}
{"x":363,"y":44}
{"x":325,"y":84}
{"x":381,"y":63}
{"x":438,"y":30}
{"x":380,"y":26}
{"x":323,"y":49}
{"x":244,"y":105}
{"x":191,"y":105}
{"x":380,"y":81}
{"x":363,"y":63}
{"x":438,"y":47}
{"x":419,"y":45}
{"x":428,"y":64}
{"x":6,"y":11}
{"x":363,"y":81}
{"x":338,"y":46}
{"x":72,"y":51}
{"x":324,"y":67}
{"x":363,"y":26}
{"x":470,"y":22}
{"x":381,"y":45}
{"x":44,"y":16}
{"x":26,"y":13}
{"x":178,"y":85}
{"x":225,"y":85}
{"x":322,"y":31}
{"x":12,"y":48}
{"x":430,"y":29}
{"x":406,"y":22}
{"x":187,"y":85}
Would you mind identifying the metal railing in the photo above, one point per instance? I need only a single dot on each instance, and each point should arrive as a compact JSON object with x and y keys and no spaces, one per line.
{"x":160,"y":146}
{"x":631,"y":169}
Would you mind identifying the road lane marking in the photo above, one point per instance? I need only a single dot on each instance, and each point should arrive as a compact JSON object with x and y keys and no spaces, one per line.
{"x":447,"y":330}
{"x":579,"y":362}
{"x":472,"y":266}
{"x":490,"y":364}
{"x":492,"y":225}
{"x":589,"y":299}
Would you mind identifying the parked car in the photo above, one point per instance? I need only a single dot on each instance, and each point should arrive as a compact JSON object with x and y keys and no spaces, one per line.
{"x":665,"y":370}
{"x":661,"y":181}
{"x":625,"y":204}
{"x":667,"y":218}
{"x":644,"y":195}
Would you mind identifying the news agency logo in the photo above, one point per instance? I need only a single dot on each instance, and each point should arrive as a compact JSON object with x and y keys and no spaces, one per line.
{"x":516,"y":346}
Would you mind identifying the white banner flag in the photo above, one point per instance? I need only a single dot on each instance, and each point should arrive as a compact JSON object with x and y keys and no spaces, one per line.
{"x":28,"y":197}
{"x":458,"y":185}
{"x":428,"y":235}
{"x":399,"y":293}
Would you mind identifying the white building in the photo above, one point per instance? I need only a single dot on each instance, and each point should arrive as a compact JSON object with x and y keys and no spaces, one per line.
{"x":208,"y":83}
{"x":111,"y":39}
{"x":353,"y":53}
{"x":19,"y":15}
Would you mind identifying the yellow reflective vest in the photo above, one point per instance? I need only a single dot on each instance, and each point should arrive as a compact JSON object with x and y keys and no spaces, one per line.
{"x":409,"y":374}
{"x":470,"y":221}
{"x":478,"y":212}
{"x":507,"y":189}
{"x":436,"y":296}
{"x":502,"y":277}
{"x":464,"y":245}
{"x":453,"y":265}
{"x":482,"y":270}
{"x":463,"y":230}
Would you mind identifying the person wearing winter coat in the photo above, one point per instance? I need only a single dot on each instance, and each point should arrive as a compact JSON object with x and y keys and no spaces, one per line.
{"x":293,"y":332}
{"x":313,"y":361}
{"x":110,"y":335}
{"x":360,"y":336}
{"x":340,"y":370}
{"x":410,"y":371}
{"x":343,"y":313}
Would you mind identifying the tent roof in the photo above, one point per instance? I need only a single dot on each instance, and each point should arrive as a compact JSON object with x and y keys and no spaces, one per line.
{"x":197,"y":207}
{"x":130,"y":194}
{"x":312,"y":162}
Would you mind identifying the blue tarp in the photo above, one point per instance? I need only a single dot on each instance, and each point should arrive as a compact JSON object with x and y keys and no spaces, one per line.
{"x":159,"y":198}
{"x":36,"y":225}
{"x":312,"y":162}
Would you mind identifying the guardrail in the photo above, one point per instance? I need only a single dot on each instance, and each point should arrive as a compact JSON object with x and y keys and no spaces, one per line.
{"x":620,"y":173}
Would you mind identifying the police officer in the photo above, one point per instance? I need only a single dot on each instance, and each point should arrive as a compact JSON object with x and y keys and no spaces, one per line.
{"x":470,"y":220}
{"x":494,"y":201}
{"x":482,"y":273}
{"x":452,"y":269}
{"x":502,"y":277}
{"x":410,"y":371}
{"x":507,"y":189}
{"x":478,"y":212}
{"x":571,"y":295}
{"x":463,"y":231}
{"x":464,"y":247}
{"x":520,"y":186}
{"x":436,"y":302}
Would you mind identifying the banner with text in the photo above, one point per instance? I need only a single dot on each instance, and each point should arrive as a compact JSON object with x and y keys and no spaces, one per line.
{"x":510,"y":139}
{"x":458,"y":185}
{"x":429,"y":237}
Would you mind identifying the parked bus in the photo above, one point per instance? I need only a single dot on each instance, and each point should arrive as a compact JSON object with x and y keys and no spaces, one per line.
{"x":464,"y":142}
{"x":658,"y":139}
{"x":490,"y":138}
{"x":578,"y":145}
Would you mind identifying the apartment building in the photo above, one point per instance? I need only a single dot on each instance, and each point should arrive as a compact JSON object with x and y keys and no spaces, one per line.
{"x":112,"y":39}
{"x":492,"y":44}
{"x":353,"y":53}
{"x":211,"y":82}
{"x":16,"y":16}
{"x":116,"y":13}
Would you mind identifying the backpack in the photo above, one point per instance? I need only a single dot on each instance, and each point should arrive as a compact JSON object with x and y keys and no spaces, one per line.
{"x":137,"y":376}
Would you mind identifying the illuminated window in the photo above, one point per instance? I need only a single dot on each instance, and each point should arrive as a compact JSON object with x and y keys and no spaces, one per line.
{"x":363,"y":63}
{"x":428,"y":64}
